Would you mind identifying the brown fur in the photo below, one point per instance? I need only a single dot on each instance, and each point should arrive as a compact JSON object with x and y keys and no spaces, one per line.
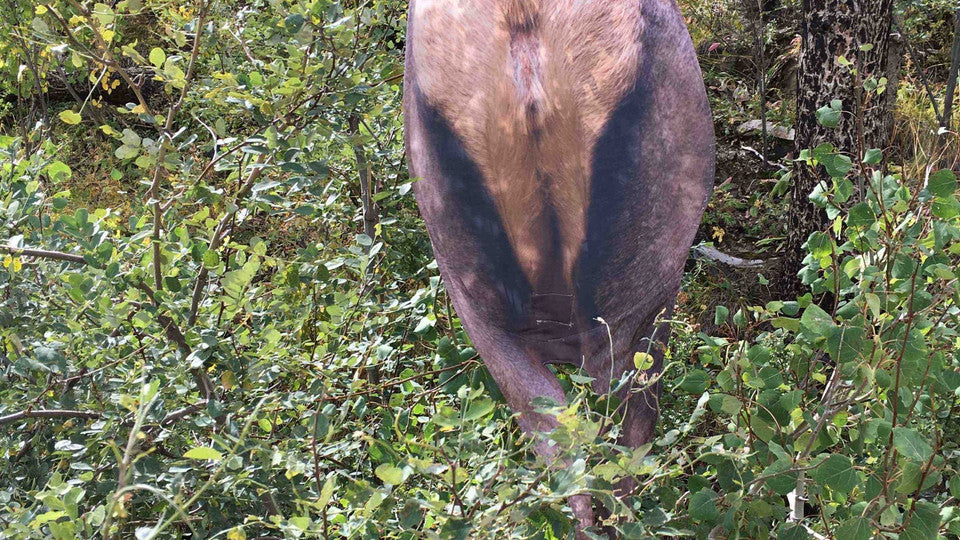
{"x":528,"y":86}
{"x":565,"y":150}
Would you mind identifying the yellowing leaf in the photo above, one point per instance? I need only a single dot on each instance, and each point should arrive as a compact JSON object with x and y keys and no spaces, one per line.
{"x":643,"y":361}
{"x":40,"y":10}
{"x":70,"y":117}
{"x":157,"y":56}
{"x":718,"y":234}
{"x":228,"y":379}
{"x":108,"y":35}
{"x":390,"y":474}
{"x":203,"y":452}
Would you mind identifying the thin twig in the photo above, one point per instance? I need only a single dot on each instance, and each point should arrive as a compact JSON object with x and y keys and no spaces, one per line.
{"x":154,"y":192}
{"x":920,"y":72}
{"x":44,"y":254}
{"x":49,"y":413}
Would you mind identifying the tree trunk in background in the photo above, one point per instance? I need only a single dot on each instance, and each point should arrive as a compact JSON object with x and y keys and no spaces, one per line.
{"x":834,"y":28}
{"x":947,"y":121}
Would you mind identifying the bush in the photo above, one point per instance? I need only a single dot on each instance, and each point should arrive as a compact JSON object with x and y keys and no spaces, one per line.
{"x":214,"y":350}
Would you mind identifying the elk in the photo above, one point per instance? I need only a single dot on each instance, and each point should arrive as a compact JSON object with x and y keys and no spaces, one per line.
{"x":565,"y":154}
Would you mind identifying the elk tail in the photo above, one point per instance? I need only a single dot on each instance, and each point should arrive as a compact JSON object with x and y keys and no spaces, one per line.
{"x":526,"y":57}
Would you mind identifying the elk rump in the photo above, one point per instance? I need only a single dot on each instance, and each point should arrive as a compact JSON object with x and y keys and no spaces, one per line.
{"x":565,"y":154}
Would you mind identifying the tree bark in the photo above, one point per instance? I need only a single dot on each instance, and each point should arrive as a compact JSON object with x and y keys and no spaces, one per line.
{"x":370,"y":217}
{"x":947,"y":121}
{"x":949,"y":157}
{"x":370,"y":213}
{"x":858,"y":30}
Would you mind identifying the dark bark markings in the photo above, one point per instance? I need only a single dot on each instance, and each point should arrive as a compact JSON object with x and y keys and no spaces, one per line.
{"x":831,"y":29}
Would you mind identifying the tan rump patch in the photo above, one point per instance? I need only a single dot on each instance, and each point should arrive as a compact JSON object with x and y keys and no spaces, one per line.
{"x":528,"y":86}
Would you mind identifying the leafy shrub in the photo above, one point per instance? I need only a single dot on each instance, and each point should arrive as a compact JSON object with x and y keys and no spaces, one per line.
{"x":216,"y":351}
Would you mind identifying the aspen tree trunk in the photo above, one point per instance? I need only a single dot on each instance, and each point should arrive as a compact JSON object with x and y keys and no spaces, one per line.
{"x":947,"y":121}
{"x":370,"y":215}
{"x":860,"y":32}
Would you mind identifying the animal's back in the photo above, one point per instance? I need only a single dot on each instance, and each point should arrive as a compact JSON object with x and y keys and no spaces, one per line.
{"x":552,"y":188}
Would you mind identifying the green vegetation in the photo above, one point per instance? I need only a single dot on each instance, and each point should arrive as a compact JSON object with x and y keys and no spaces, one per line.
{"x":203,"y":334}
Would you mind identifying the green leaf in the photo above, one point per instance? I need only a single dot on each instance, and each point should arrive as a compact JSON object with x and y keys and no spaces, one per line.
{"x":828,"y":116}
{"x":839,"y":166}
{"x":703,"y":506}
{"x":942,"y":183}
{"x":479,"y":409}
{"x":70,"y":117}
{"x":721,"y":315}
{"x":873,"y":156}
{"x":845,"y":343}
{"x":836,"y":164}
{"x":293,"y":23}
{"x":730,"y":404}
{"x":210,"y":258}
{"x":855,"y":529}
{"x":300,"y":522}
{"x":782,"y":478}
{"x":873,"y":302}
{"x":787,"y":323}
{"x":945,"y":207}
{"x":820,"y":245}
{"x":456,"y":529}
{"x":59,"y":171}
{"x":861,"y":216}
{"x":903,"y":266}
{"x":126,"y":152}
{"x":327,"y":492}
{"x":911,"y":444}
{"x":203,"y":452}
{"x":924,"y":522}
{"x":793,"y":532}
{"x":915,"y":358}
{"x":389,"y":474}
{"x":157,"y":57}
{"x":837,"y":473}
{"x":815,"y":322}
{"x":695,"y":382}
{"x":842,"y":189}
{"x":172,"y":283}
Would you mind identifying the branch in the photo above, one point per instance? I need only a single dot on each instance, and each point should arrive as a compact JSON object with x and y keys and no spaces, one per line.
{"x":154,"y":192}
{"x":44,"y":254}
{"x":396,"y":382}
{"x":48,"y":413}
{"x":715,"y":255}
{"x":366,"y":187}
{"x":221,"y":232}
{"x":170,"y":328}
{"x":180,"y":414}
{"x":107,"y":60}
{"x":920,"y":73}
{"x":170,"y":418}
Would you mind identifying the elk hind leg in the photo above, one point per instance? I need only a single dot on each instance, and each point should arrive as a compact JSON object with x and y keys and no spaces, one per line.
{"x":522,"y":379}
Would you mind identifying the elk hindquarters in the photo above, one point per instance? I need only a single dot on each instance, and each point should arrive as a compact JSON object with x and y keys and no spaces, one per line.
{"x":565,"y":151}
